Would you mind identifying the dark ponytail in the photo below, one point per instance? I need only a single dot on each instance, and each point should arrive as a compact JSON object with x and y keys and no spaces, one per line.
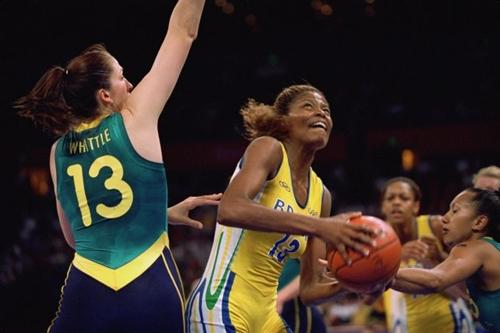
{"x":45,"y":104}
{"x":488,"y":203}
{"x":66,"y":97}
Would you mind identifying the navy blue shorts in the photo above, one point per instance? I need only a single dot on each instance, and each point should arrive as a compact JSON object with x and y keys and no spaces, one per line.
{"x":301,"y":318}
{"x":150,"y":303}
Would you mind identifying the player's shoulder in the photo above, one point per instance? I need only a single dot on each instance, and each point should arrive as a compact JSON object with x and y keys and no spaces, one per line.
{"x":265,"y":148}
{"x":265,"y":142}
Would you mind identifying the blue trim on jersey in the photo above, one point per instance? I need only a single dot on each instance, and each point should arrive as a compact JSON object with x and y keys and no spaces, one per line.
{"x":225,"y":305}
{"x":198,"y":291}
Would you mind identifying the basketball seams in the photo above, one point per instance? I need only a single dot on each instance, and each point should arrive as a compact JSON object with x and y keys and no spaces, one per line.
{"x":361,"y":257}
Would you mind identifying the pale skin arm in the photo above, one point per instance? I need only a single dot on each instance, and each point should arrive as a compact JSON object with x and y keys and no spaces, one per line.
{"x":315,"y":285}
{"x":147,"y":100}
{"x":63,"y":221}
{"x":179,"y":213}
{"x":463,"y":261}
{"x":237,"y":208}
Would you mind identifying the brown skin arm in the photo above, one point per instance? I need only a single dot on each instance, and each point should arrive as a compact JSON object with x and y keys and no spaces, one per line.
{"x":315,"y":286}
{"x":464,"y":260}
{"x":436,"y":254}
{"x":237,"y":208}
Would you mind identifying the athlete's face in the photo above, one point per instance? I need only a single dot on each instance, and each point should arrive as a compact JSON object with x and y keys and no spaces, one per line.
{"x":399,"y":204}
{"x":309,"y":119}
{"x":120,"y":87}
{"x":458,"y":222}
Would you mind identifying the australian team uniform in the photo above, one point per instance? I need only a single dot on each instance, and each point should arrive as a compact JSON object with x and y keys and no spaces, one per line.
{"x":237,"y":292}
{"x":487,"y":302}
{"x":408,"y":313}
{"x":123,"y":277}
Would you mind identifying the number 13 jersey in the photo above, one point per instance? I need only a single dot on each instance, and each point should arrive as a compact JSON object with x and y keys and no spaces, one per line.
{"x":114,"y":200}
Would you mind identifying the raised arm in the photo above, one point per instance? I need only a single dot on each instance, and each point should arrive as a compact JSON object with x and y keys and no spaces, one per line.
{"x":147,"y":100}
{"x":463,"y":261}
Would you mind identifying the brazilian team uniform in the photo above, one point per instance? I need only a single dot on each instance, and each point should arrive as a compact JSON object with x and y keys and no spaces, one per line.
{"x":123,"y":277}
{"x":237,"y":292}
{"x":487,"y":302}
{"x":299,"y":317}
{"x":408,"y":313}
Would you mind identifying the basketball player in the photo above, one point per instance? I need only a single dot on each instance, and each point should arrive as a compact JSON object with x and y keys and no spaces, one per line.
{"x":111,"y":187}
{"x":471,"y":229}
{"x":421,"y":238}
{"x":269,"y":212}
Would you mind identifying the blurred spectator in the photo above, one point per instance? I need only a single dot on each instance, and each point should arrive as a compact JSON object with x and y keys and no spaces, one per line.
{"x":487,"y":178}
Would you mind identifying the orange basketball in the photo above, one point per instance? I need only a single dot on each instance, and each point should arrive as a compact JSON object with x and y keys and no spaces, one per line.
{"x":366,"y":274}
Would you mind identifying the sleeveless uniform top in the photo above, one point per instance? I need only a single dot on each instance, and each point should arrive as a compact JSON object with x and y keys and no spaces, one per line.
{"x":114,"y":200}
{"x":254,"y":257}
{"x":488,"y":302}
{"x":425,"y":313}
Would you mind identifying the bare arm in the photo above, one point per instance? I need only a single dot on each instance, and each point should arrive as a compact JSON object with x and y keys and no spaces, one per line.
{"x":237,"y":208}
{"x":63,"y":221}
{"x":179,"y":213}
{"x":463,"y":261}
{"x":315,"y":286}
{"x":147,"y":100}
{"x":149,"y":97}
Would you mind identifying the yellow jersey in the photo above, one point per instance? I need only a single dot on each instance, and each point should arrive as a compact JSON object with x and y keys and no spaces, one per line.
{"x":238,"y":289}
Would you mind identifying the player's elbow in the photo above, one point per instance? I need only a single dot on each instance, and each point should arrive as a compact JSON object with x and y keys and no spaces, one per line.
{"x":229,"y":213}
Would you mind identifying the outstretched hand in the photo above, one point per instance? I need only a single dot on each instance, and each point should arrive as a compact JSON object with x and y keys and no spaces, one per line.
{"x":179,"y":214}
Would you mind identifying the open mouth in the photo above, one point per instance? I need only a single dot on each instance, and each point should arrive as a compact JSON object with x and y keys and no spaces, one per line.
{"x":319,"y":124}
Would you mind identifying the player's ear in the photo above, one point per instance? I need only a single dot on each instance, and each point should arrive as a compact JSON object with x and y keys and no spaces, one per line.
{"x":104,"y":97}
{"x":480,"y":223}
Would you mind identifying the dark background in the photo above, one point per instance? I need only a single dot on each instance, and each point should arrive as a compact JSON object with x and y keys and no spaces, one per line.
{"x":400,"y":74}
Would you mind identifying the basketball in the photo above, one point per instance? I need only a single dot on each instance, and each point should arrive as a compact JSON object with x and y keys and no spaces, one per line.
{"x":367,"y":274}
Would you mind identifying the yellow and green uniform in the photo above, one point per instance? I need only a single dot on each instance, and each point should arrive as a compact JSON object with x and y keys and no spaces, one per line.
{"x":409,"y":313}
{"x":116,"y":204}
{"x":238,"y":289}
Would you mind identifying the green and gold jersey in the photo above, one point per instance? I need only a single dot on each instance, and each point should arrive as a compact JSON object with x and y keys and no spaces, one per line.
{"x":114,"y":200}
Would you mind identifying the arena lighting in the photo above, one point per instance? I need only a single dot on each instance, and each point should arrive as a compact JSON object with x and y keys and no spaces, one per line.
{"x":251,"y":20}
{"x":407,"y":159}
{"x":228,"y":8}
{"x":326,"y":10}
{"x":220,"y":3}
{"x":316,"y":4}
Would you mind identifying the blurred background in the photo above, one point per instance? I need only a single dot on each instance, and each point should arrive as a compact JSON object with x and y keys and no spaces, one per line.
{"x":413,"y":86}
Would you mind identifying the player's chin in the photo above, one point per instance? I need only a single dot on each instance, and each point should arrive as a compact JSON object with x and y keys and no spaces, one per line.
{"x":448,"y":241}
{"x":320,"y":142}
